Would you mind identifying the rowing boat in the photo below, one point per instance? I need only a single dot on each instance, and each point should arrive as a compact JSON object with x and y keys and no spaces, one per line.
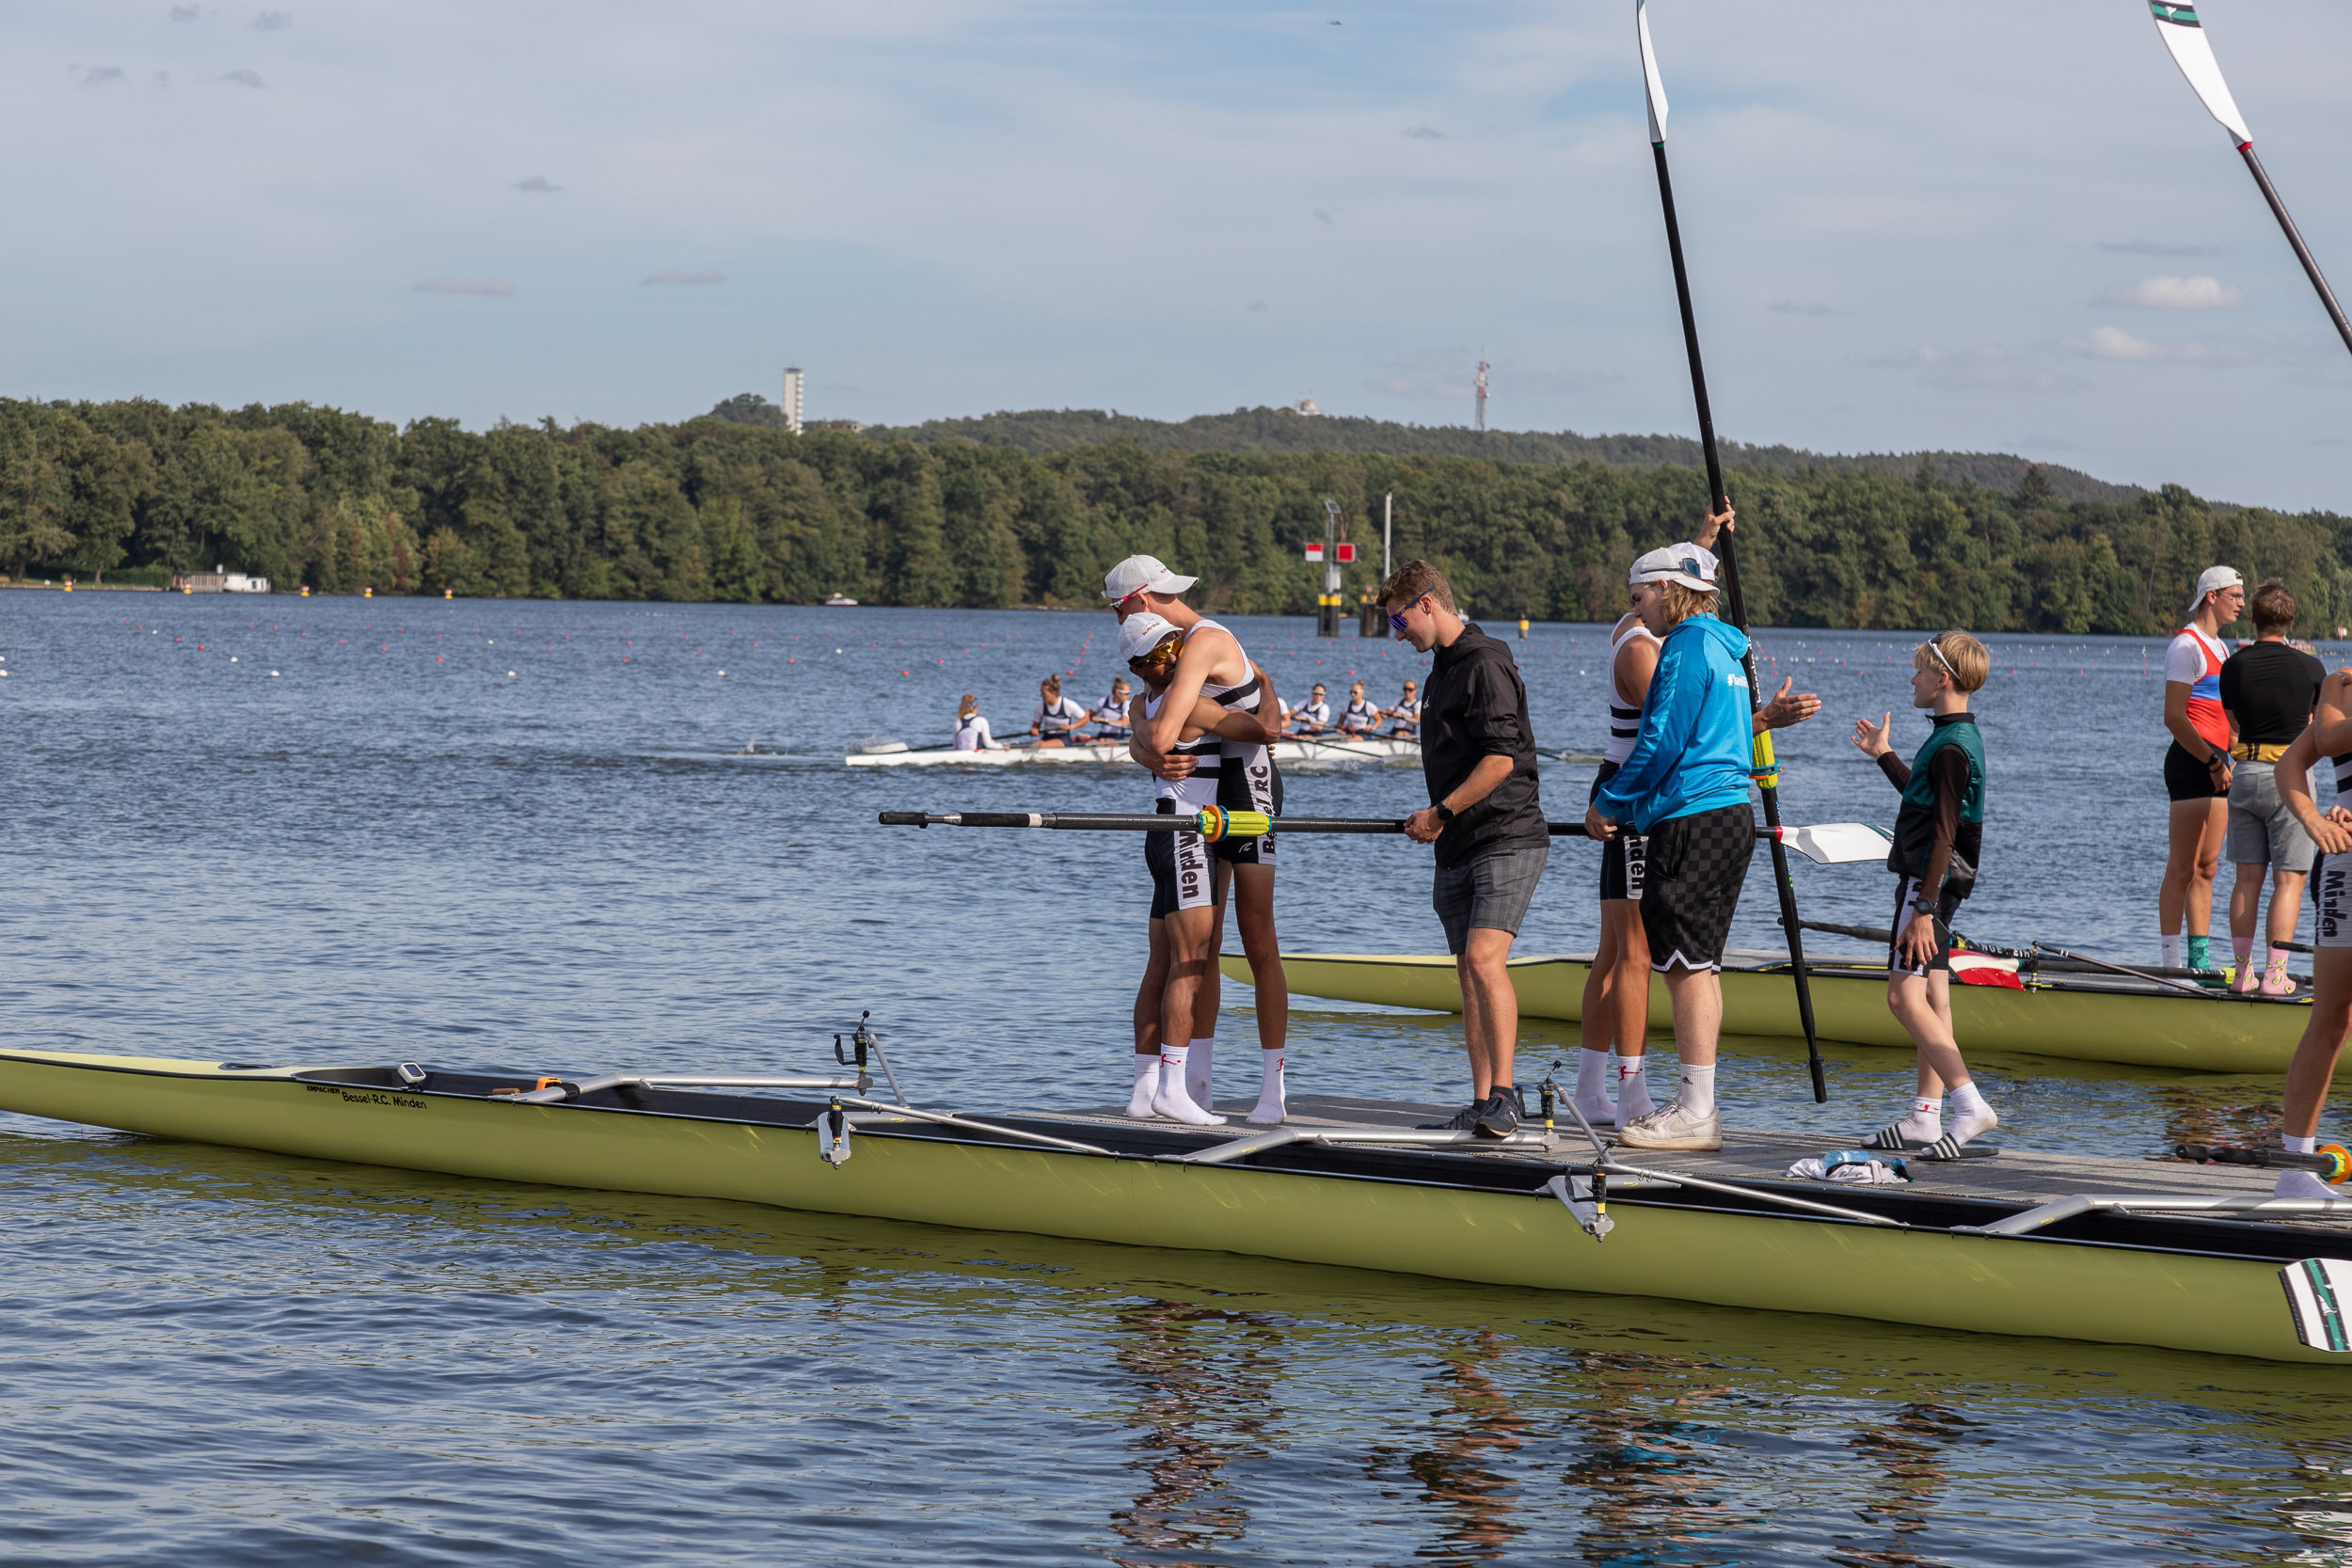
{"x":2184,"y":1257}
{"x":2092,"y":1017}
{"x":1379,"y":749}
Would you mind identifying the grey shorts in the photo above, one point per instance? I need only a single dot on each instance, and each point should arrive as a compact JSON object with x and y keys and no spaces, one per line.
{"x":2262,"y":831}
{"x":1492,"y":890}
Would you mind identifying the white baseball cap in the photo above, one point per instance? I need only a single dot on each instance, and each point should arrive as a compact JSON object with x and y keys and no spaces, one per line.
{"x":1141,"y":572}
{"x":1685,"y":563}
{"x":1140,"y":633}
{"x":2213,"y":577}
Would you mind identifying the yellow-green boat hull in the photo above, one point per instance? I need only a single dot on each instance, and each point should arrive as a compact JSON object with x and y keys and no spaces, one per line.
{"x":2207,"y":1033}
{"x":2181,"y":1300}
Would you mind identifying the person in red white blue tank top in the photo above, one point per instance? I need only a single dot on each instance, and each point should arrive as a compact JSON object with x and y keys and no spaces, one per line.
{"x":2197,"y":768}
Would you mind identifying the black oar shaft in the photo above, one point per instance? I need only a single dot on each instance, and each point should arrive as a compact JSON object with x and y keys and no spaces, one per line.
{"x":2294,"y":238}
{"x":1736,"y":612}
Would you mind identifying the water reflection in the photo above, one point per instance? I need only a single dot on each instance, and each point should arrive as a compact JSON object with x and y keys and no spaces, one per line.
{"x":1462,"y":1476}
{"x":1648,"y":1465}
{"x":1908,"y":1452}
{"x":1206,"y":1400}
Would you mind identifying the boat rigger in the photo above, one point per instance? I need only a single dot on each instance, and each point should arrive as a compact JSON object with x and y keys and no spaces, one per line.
{"x":2189,"y":1256}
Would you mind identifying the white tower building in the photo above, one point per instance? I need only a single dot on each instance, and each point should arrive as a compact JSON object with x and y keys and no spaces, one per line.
{"x":792,"y":398}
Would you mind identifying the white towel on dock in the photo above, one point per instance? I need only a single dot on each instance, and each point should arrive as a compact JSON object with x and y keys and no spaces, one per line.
{"x":1871,"y":1173}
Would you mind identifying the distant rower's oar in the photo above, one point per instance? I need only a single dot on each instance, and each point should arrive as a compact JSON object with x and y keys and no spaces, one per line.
{"x":1824,"y":843}
{"x":2185,"y":37}
{"x":1767,"y":768}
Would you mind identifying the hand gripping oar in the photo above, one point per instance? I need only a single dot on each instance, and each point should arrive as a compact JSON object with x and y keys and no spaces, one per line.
{"x":1767,"y":769}
{"x":2185,"y":37}
{"x":1825,"y":844}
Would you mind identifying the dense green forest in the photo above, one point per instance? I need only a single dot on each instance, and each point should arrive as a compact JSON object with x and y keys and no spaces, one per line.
{"x":715,"y":508}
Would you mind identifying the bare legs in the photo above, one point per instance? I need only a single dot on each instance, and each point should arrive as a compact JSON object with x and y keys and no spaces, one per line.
{"x":2195,"y":831}
{"x":1699,"y":1002}
{"x":1491,"y":1008}
{"x":1616,"y":1017}
{"x":2314,"y":1063}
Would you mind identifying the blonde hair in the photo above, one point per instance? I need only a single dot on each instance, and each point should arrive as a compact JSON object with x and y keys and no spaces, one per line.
{"x":1410,"y":582}
{"x":1963,"y":658}
{"x":1682,"y":602}
{"x":1051,"y":686}
{"x":970,"y":705}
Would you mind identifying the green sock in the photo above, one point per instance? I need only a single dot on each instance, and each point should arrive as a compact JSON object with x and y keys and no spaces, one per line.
{"x":2200,"y":951}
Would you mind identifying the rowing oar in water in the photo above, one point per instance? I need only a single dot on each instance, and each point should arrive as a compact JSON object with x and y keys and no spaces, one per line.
{"x":2184,"y":36}
{"x":1767,"y":769}
{"x":1824,"y":843}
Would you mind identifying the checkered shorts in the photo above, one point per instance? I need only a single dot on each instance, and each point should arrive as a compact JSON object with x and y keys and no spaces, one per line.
{"x":1691,"y":885}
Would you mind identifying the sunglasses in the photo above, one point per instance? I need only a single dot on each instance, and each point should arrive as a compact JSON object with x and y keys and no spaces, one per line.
{"x":1398,"y":621}
{"x":1930,"y":646}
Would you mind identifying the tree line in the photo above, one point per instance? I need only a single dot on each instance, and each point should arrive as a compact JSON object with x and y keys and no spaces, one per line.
{"x":715,"y":509}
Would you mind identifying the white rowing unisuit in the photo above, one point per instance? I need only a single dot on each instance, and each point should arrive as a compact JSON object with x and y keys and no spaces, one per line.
{"x":1625,"y":723}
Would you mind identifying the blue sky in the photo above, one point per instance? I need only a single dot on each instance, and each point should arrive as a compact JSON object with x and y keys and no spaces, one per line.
{"x":2008,"y":225}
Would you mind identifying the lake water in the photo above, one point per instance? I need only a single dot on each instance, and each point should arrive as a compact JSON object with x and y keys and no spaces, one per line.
{"x":529,"y":835}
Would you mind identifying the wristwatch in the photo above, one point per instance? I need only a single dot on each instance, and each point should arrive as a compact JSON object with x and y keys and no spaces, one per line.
{"x":1920,"y":906}
{"x":2217,"y":758}
{"x":1445,"y":813}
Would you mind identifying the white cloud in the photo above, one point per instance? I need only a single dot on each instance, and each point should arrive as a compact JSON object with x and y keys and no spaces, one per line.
{"x":538,"y":184}
{"x":490,"y":287}
{"x":2197,"y":291}
{"x":1979,"y":370}
{"x":2113,"y":343}
{"x":99,"y":76}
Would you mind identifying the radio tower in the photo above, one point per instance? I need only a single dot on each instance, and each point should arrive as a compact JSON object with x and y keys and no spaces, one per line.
{"x":1482,"y":392}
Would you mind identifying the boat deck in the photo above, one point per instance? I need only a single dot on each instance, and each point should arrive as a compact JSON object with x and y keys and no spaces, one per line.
{"x":2016,"y":1176}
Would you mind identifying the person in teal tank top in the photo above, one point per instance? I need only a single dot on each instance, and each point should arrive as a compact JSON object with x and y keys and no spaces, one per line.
{"x":1939,"y":837}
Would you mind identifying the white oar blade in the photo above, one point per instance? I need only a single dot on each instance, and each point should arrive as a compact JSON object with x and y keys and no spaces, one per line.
{"x":2184,"y":36}
{"x":1649,"y":75}
{"x":1838,"y":843}
{"x":2318,"y":1289}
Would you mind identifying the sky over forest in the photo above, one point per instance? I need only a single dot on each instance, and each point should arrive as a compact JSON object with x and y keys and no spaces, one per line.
{"x":2009,"y":226}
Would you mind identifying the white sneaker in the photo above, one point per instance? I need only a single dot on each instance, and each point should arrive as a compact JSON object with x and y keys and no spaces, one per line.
{"x":2303,"y":1184}
{"x":1671,"y":1126}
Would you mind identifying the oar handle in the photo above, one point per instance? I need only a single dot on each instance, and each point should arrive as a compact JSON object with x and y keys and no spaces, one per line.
{"x":2332,"y":1162}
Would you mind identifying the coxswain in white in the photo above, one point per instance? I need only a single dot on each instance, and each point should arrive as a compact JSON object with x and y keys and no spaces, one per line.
{"x":1358,"y":716}
{"x":1314,"y":716}
{"x":1211,"y":663}
{"x":1058,"y":720}
{"x":1109,"y":717}
{"x":972,"y":730}
{"x":1616,"y":988}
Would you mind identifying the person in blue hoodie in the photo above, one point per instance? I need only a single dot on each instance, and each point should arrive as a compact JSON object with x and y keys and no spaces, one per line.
{"x":1685,"y":788}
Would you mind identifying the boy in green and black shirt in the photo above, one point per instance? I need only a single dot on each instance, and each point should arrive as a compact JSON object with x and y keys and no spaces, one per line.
{"x":1938,"y":833}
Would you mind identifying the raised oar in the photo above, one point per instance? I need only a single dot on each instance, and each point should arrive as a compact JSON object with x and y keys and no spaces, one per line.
{"x":1767,"y":768}
{"x":2185,"y":37}
{"x":1824,"y":843}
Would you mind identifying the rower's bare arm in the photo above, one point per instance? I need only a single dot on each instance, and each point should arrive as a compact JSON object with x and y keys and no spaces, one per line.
{"x":1636,"y":662}
{"x":1204,"y":647}
{"x":1270,"y":709}
{"x":1786,"y":708}
{"x":2332,"y":831}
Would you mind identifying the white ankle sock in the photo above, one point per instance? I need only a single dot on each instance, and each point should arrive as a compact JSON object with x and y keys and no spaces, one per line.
{"x":1631,"y":1074}
{"x":1171,"y":1099}
{"x":1591,"y":1074}
{"x":2300,"y":1146}
{"x":1966,"y":1102}
{"x":1921,"y":1105}
{"x":1197,"y":1071}
{"x":1697,"y":1092}
{"x":1147,"y":1081}
{"x":1271,"y":1103}
{"x":2175,"y":953}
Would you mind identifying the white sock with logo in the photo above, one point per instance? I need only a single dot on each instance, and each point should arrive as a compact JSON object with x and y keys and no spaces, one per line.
{"x":1171,"y":1099}
{"x":1633,"y":1096}
{"x":1591,"y":1074}
{"x":1971,"y":1116}
{"x":1146,"y":1079}
{"x":1272,"y":1105}
{"x":2175,"y":953}
{"x":1697,"y":1092}
{"x":1925,"y":1124}
{"x":2300,"y":1146}
{"x":1196,"y":1072}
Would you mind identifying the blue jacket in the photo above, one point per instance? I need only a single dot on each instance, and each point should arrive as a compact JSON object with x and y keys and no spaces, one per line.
{"x":1692,"y":753}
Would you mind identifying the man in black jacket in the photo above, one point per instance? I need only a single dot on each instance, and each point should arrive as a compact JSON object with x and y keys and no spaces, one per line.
{"x":1486,"y":817}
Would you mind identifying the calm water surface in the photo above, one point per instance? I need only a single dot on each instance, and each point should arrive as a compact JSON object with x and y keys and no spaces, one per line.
{"x":530,"y":835}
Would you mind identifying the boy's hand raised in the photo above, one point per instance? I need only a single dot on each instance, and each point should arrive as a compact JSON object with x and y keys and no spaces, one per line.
{"x":1874,"y":740}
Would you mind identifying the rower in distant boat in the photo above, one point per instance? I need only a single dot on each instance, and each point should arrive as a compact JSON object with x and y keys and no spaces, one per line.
{"x":1177,"y":998}
{"x":1358,"y":716}
{"x":1058,"y":720}
{"x":2330,"y":734}
{"x":2197,"y":771}
{"x":1314,"y":716}
{"x":1109,"y":717}
{"x":972,"y":730}
{"x":1615,"y":1021}
{"x":1939,"y":843}
{"x":1403,"y":720}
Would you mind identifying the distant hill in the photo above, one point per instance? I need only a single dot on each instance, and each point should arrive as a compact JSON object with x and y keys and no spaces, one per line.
{"x":1040,"y":431}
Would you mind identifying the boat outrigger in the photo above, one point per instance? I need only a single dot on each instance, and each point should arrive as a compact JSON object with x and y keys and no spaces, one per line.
{"x":1292,"y":752}
{"x":2189,"y":1256}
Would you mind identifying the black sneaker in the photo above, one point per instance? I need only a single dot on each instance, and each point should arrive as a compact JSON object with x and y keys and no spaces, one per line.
{"x":1461,"y":1122}
{"x":1499,"y":1117}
